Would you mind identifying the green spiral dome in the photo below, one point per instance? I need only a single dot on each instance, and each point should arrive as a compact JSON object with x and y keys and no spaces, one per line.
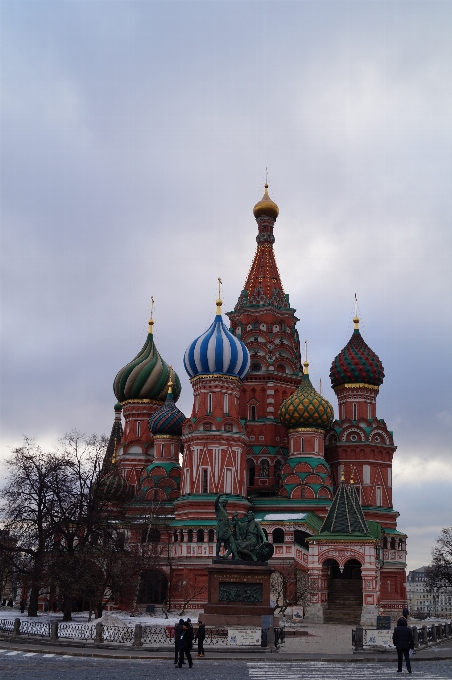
{"x":146,"y":376}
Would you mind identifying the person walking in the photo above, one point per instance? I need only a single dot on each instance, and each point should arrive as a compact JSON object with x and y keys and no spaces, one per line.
{"x":403,"y":641}
{"x":200,"y":637}
{"x":185,"y":644}
{"x":405,"y":612}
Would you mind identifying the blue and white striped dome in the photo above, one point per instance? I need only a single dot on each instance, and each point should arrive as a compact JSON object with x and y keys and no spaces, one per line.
{"x":217,"y":351}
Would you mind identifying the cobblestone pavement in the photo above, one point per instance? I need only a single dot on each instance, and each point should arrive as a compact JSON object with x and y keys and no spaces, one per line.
{"x":36,"y":666}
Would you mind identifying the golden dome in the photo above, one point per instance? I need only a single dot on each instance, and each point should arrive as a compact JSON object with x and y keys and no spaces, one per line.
{"x":266,"y":206}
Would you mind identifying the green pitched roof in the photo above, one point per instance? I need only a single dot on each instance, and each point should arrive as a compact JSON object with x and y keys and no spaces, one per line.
{"x":345,"y":515}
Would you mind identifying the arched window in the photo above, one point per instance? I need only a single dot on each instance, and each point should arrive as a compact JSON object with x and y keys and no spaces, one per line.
{"x":302,"y":445}
{"x":209,"y":402}
{"x":278,"y":536}
{"x":253,"y":412}
{"x":265,"y":468}
{"x":190,"y":536}
{"x":138,"y":428}
{"x":256,"y":367}
{"x":281,"y":368}
{"x":150,"y":535}
{"x":153,"y":588}
{"x":175,"y":537}
{"x":277,"y":468}
{"x":251,"y":475}
{"x":211,"y":537}
{"x":226,"y":403}
{"x":303,"y":492}
{"x":300,"y":538}
{"x":181,"y":536}
{"x":200,"y":536}
{"x":355,"y":409}
{"x":392,"y":543}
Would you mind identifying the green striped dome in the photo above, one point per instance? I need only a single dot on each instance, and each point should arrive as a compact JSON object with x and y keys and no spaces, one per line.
{"x":146,"y":376}
{"x":306,"y":408}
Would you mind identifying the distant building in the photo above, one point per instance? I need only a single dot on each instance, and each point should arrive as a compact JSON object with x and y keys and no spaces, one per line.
{"x":260,"y":432}
{"x":421,"y":601}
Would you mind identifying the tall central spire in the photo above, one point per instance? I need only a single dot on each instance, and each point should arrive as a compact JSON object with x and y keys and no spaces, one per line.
{"x":263,"y":285}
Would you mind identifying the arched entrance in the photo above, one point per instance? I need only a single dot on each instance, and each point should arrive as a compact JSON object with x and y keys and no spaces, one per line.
{"x":345,"y":592}
{"x":153,"y":588}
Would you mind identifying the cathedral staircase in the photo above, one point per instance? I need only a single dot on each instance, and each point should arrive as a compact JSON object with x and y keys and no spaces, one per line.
{"x":345,"y":601}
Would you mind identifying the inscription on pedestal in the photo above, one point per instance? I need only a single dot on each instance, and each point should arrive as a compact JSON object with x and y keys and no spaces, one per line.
{"x":240,"y":592}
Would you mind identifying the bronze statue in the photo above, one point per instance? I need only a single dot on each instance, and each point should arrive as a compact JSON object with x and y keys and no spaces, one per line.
{"x":243,"y":537}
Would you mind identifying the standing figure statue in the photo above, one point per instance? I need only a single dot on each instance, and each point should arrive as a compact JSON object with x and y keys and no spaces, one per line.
{"x":225,"y":536}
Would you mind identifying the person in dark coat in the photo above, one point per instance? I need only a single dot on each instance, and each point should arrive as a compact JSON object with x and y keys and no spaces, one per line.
{"x":200,"y":637}
{"x":178,"y":628}
{"x":403,"y":640}
{"x":185,"y":644}
{"x":405,"y":612}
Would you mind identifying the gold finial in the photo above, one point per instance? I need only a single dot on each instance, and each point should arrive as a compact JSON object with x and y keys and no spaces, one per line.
{"x":113,"y":458}
{"x":352,"y":481}
{"x":356,"y":319}
{"x":306,"y":363}
{"x":151,"y":320}
{"x":219,"y":301}
{"x":342,"y":474}
{"x":170,"y":381}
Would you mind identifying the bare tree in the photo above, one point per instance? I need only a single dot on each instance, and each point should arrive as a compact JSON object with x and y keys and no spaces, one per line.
{"x":189,"y":587}
{"x":6,"y":561}
{"x":289,"y":586}
{"x":439,"y":573}
{"x":27,"y":505}
{"x":89,"y":544}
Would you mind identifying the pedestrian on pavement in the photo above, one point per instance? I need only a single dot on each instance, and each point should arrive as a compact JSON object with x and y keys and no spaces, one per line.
{"x":200,"y":637}
{"x":185,"y":644}
{"x":178,"y":628}
{"x":403,"y":640}
{"x":405,"y":612}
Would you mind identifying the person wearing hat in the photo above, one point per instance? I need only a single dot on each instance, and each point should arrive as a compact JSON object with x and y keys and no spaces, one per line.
{"x":200,"y":637}
{"x":403,"y":640}
{"x":185,"y":644}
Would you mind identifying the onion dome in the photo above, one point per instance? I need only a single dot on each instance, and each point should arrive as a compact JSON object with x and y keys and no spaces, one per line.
{"x":146,"y":376}
{"x":114,"y":488}
{"x":217,"y":351}
{"x":357,"y":363}
{"x":266,"y":206}
{"x":168,"y":419}
{"x":306,"y":407}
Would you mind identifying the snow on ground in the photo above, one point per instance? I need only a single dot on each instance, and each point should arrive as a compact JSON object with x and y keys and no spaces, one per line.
{"x":107,"y":618}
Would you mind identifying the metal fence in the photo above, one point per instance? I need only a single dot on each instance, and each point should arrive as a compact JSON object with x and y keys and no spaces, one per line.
{"x":6,"y":625}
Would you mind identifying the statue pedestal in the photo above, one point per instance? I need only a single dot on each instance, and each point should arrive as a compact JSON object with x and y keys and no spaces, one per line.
{"x":239,"y":593}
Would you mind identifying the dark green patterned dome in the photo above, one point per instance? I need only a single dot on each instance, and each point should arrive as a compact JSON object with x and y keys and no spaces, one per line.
{"x":114,"y":488}
{"x":146,"y":376}
{"x":356,"y":363}
{"x":306,"y":407}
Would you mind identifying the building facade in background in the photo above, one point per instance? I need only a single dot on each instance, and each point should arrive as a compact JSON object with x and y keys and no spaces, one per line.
{"x":319,"y":482}
{"x":422,"y":602}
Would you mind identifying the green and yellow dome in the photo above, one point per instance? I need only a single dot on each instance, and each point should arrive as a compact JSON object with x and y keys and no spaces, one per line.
{"x":146,"y":377}
{"x":306,"y":407}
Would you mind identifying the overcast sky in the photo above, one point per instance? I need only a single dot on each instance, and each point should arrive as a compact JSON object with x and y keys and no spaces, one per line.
{"x":135,"y":137}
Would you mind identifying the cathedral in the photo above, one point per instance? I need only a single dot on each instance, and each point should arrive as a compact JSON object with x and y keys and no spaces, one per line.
{"x":319,"y":482}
